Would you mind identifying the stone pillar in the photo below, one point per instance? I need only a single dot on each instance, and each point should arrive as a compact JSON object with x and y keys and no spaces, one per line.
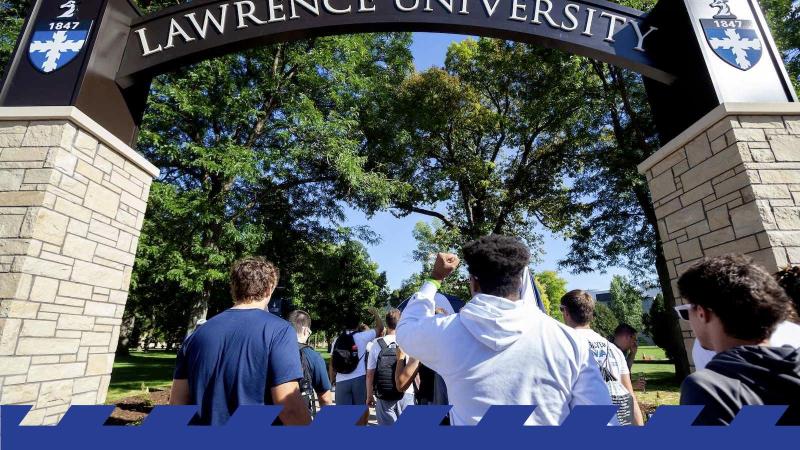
{"x":72,"y":203}
{"x":729,"y":184}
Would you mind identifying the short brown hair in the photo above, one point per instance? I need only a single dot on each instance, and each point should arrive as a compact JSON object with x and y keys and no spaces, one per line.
{"x":745,"y":297}
{"x":299,"y":319}
{"x":580,"y":306}
{"x":392,"y":318}
{"x":252,"y":279}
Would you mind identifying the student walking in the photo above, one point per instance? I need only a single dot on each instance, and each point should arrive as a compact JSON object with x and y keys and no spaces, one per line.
{"x":734,"y":307}
{"x":315,"y":387}
{"x":243,"y":355}
{"x":502,"y":344}
{"x":382,"y":389}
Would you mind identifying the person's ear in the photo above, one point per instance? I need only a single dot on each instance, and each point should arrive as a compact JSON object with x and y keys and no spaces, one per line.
{"x":704,"y":314}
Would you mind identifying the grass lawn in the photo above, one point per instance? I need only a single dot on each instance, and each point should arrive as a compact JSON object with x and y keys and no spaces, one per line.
{"x":661,"y":387}
{"x":131,"y":373}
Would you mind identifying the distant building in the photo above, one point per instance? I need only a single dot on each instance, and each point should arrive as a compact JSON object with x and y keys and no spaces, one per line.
{"x":604,"y":297}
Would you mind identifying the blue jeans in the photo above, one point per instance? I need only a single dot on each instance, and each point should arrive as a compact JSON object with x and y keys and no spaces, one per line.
{"x":352,"y":392}
{"x":388,"y":411}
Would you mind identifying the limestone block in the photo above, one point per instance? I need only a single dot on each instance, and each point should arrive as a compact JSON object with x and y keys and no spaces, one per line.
{"x":87,"y":398}
{"x":43,"y":134}
{"x":717,"y":237}
{"x":100,"y":309}
{"x":11,"y":179}
{"x":111,"y":156}
{"x":662,"y":185}
{"x":100,"y":364}
{"x":38,"y":328}
{"x":785,"y":147}
{"x":8,"y":140}
{"x":10,"y":226}
{"x":698,"y":193}
{"x":14,"y":365}
{"x":22,"y":198}
{"x":46,"y":359}
{"x":761,"y":121}
{"x":89,"y":338}
{"x":75,"y":290}
{"x":42,"y":267}
{"x":24,"y":154}
{"x":748,"y":134}
{"x":75,"y":322}
{"x":21,"y":309}
{"x":698,"y":150}
{"x":59,"y":371}
{"x":769,"y":191}
{"x":9,"y":332}
{"x":721,"y":127}
{"x":718,"y":217}
{"x":711,"y":167}
{"x":45,"y":225}
{"x":792,"y":124}
{"x":95,"y":274}
{"x":62,"y":161}
{"x":89,"y":171}
{"x":101,"y":199}
{"x":744,"y":245}
{"x":104,"y":230}
{"x":86,"y":384}
{"x":690,"y":250}
{"x":697,"y":229}
{"x":113,"y":254}
{"x":78,"y":228}
{"x":685,"y":217}
{"x":73,"y":186}
{"x":44,"y":289}
{"x":732,"y":184}
{"x":46,"y":346}
{"x":20,"y":393}
{"x":124,"y":183}
{"x":103,"y":390}
{"x":85,"y":141}
{"x":73,"y":210}
{"x":54,"y":393}
{"x":783,"y":176}
{"x":787,"y":218}
{"x":751,"y":218}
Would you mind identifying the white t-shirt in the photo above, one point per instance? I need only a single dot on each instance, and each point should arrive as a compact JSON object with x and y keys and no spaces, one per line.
{"x":362,"y":339}
{"x":786,"y":333}
{"x":605,"y":353}
{"x":375,"y":350}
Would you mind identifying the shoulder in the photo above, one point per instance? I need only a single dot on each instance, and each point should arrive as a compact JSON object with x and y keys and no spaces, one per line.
{"x":701,"y":385}
{"x":365,"y":336}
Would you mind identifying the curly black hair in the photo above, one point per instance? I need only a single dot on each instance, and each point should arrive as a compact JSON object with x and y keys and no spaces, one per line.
{"x":745,"y":297}
{"x":497,"y":261}
{"x":789,"y":279}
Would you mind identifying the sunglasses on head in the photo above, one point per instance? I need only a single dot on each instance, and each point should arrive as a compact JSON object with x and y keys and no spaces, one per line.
{"x":683,"y":311}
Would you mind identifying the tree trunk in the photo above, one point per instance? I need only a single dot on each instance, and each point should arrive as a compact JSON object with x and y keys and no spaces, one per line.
{"x":200,"y":310}
{"x":125,"y":333}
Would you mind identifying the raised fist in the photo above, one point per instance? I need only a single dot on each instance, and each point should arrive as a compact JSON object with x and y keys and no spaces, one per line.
{"x":446,"y":263}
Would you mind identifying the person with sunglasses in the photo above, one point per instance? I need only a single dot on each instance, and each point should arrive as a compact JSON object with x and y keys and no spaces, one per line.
{"x":734,"y":307}
{"x":786,"y":333}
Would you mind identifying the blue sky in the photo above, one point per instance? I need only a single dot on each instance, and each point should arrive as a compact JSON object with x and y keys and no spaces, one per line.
{"x":393,"y":253}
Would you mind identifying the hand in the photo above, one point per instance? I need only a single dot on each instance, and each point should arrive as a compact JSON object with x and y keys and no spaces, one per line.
{"x":446,"y":263}
{"x":401,"y":356}
{"x":440,"y":311}
{"x":371,"y":401}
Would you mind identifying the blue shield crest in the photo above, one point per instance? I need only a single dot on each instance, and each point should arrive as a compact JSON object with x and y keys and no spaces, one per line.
{"x":55,"y":43}
{"x":734,"y":41}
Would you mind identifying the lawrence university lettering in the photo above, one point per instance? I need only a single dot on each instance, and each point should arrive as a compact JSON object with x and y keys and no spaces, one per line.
{"x":596,"y":28}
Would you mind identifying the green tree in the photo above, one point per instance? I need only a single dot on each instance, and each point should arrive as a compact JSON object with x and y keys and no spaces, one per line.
{"x":12,"y":15}
{"x":483,"y":145}
{"x":337,"y":282}
{"x":554,"y":287}
{"x":784,"y":20}
{"x":657,"y":325}
{"x":626,"y":302}
{"x":604,"y":322}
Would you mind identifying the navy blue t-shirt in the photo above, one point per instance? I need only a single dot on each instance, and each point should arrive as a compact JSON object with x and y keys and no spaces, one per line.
{"x":234,"y":359}
{"x":319,"y":373}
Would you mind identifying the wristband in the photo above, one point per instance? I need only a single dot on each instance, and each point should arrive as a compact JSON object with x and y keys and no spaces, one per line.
{"x":436,"y":283}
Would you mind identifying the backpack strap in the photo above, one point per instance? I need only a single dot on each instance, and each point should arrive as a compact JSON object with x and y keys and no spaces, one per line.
{"x":382,"y":343}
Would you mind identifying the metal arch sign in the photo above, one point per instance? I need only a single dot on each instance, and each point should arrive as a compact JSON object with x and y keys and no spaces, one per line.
{"x":192,"y":31}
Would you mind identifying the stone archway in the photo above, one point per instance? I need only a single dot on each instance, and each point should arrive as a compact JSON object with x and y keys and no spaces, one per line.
{"x":73,"y":192}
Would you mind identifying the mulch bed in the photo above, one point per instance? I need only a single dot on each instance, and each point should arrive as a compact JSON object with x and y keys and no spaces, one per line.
{"x":133,"y":410}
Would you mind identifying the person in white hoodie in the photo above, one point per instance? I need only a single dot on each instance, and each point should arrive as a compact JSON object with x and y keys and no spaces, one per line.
{"x":499,"y":350}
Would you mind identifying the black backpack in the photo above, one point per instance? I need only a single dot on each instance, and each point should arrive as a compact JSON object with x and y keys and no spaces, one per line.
{"x":344,"y":355}
{"x":384,"y":383}
{"x":307,"y":383}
